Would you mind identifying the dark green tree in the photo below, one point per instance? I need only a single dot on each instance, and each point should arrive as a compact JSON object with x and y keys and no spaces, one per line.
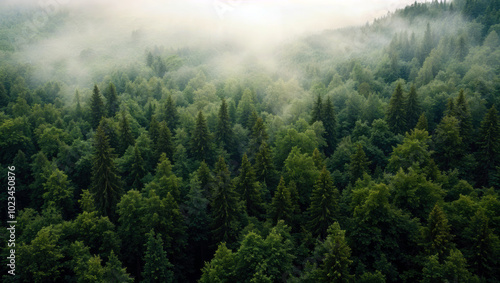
{"x":201,"y":140}
{"x":358,"y":165}
{"x":171,"y":114}
{"x":281,"y":206}
{"x":437,"y":237}
{"x":220,"y":268}
{"x":225,"y":205}
{"x":264,"y":168}
{"x":224,"y":134}
{"x":106,"y":184}
{"x":154,"y":130}
{"x":448,"y":142}
{"x":329,"y":120}
{"x":114,"y":272}
{"x":323,"y":209}
{"x":138,"y":170}
{"x":248,"y":188}
{"x":257,"y":137}
{"x":78,"y":109}
{"x":336,"y":263}
{"x":462,"y":113}
{"x":157,"y":268}
{"x":413,"y":109}
{"x":96,"y":108}
{"x":126,"y":138}
{"x":316,"y":111}
{"x":206,"y":179}
{"x":396,"y":112}
{"x":489,"y":146}
{"x":111,"y":100}
{"x":164,"y":143}
{"x":422,"y":123}
{"x":58,"y":192}
{"x":318,"y":159}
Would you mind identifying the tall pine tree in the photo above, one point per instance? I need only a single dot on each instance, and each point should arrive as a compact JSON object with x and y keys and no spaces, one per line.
{"x":249,"y":189}
{"x":413,"y":109}
{"x":264,"y":168}
{"x":106,"y":184}
{"x":96,"y":108}
{"x":335,"y":266}
{"x":323,"y":209}
{"x":359,"y":164}
{"x":164,"y":143}
{"x":330,"y":123}
{"x":126,"y":137}
{"x":224,"y":134}
{"x":489,"y":146}
{"x":171,"y":115}
{"x":157,"y":268}
{"x":396,"y":113}
{"x":111,"y":100}
{"x":281,"y":207}
{"x":201,"y":140}
{"x":316,"y":111}
{"x":437,"y":237}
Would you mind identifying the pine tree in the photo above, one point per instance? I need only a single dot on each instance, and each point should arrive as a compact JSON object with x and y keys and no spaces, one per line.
{"x":248,"y":188}
{"x":164,"y":143}
{"x":138,"y":170}
{"x":111,"y":100}
{"x":224,"y":134}
{"x":413,"y":108}
{"x":422,"y":123}
{"x":78,"y":109}
{"x":257,"y":137}
{"x":330,"y":123}
{"x":154,"y":130}
{"x":318,"y":159}
{"x":281,"y":206}
{"x":489,"y":146}
{"x":114,"y":272}
{"x":462,"y":113}
{"x":96,"y":108}
{"x":437,"y":237}
{"x":225,"y":205}
{"x":316,"y":111}
{"x":264,"y":167}
{"x":335,"y":266}
{"x":359,"y":164}
{"x":449,"y":145}
{"x":323,"y":209}
{"x":106,"y":184}
{"x":396,"y":116}
{"x":58,"y":193}
{"x":201,"y":140}
{"x":171,"y":115}
{"x":206,"y":180}
{"x":126,"y":137}
{"x":157,"y":268}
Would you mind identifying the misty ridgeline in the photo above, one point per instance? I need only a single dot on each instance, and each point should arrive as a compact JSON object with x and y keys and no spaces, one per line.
{"x":169,"y":143}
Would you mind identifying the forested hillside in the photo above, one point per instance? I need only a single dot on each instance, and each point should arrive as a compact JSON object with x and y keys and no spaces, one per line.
{"x":360,"y":154}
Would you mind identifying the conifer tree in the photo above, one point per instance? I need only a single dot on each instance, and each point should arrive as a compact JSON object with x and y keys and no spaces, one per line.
{"x":318,"y":159}
{"x":449,"y":145}
{"x":154,"y":130}
{"x":281,"y":206}
{"x":462,"y":113}
{"x":330,"y":123}
{"x":96,"y":108}
{"x":248,"y":188}
{"x":422,"y":123}
{"x":206,"y":180}
{"x":164,"y":143}
{"x":78,"y":109}
{"x":157,"y":268}
{"x":257,"y":137}
{"x":58,"y":193}
{"x":396,"y":115}
{"x":138,"y":170}
{"x":483,"y":252}
{"x":437,"y":237}
{"x":114,"y":272}
{"x":413,"y":108}
{"x":264,"y":167}
{"x":126,"y":137}
{"x":224,"y":134}
{"x":335,"y":266}
{"x":316,"y":111}
{"x":225,"y":205}
{"x":323,"y":209}
{"x":359,"y":164}
{"x":489,"y":146}
{"x":111,"y":100}
{"x":171,"y":115}
{"x":201,"y":140}
{"x":106,"y":184}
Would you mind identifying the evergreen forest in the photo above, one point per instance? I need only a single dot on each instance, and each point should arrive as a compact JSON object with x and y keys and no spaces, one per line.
{"x":357,"y":154}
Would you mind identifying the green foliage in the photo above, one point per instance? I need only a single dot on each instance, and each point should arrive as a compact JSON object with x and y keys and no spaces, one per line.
{"x":359,"y":164}
{"x":281,"y":207}
{"x":489,"y":145}
{"x":157,"y":267}
{"x":58,"y":192}
{"x":201,"y":140}
{"x":324,"y":208}
{"x":414,"y":151}
{"x":126,"y":138}
{"x":220,"y":268}
{"x":248,"y":188}
{"x":111,"y":100}
{"x":97,"y":110}
{"x":436,"y":236}
{"x":396,"y":113}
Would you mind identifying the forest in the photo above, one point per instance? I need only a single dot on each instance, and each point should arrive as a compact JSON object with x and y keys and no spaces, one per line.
{"x":357,"y":154}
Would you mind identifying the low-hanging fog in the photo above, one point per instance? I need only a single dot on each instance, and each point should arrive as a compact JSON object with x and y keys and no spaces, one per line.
{"x":93,"y":37}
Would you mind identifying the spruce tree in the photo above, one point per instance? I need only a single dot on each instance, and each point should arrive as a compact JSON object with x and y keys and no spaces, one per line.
{"x":206,"y":180}
{"x":462,"y":113}
{"x":437,"y":237}
{"x":413,"y":109}
{"x":483,"y":252}
{"x":257,"y":137}
{"x":157,"y":268}
{"x":106,"y":184}
{"x":154,"y":130}
{"x":114,"y":272}
{"x":264,"y":168}
{"x":164,"y":143}
{"x":78,"y":109}
{"x":358,"y":165}
{"x":201,"y":140}
{"x":449,"y":145}
{"x":111,"y":100}
{"x":489,"y":146}
{"x":318,"y":159}
{"x":171,"y":115}
{"x":330,"y":123}
{"x":335,"y":266}
{"x":281,"y":206}
{"x":248,"y":188}
{"x":225,"y":205}
{"x":138,"y":170}
{"x":396,"y":115}
{"x":96,"y":108}
{"x":323,"y":209}
{"x":422,"y":123}
{"x":316,"y":111}
{"x":224,"y":134}
{"x":126,"y":137}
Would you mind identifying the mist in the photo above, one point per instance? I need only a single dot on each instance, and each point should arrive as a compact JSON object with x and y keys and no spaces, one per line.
{"x":95,"y":37}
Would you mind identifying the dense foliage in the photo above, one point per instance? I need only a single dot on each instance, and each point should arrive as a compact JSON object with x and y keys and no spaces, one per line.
{"x":377,"y":159}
